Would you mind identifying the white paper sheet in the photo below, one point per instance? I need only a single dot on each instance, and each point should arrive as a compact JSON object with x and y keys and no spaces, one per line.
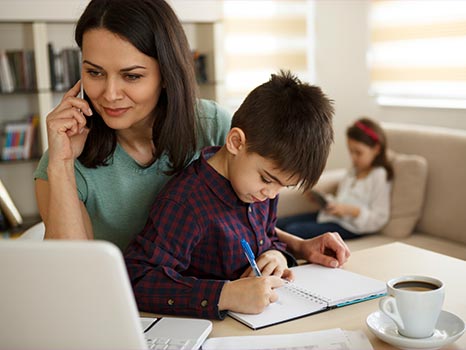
{"x":330,"y":339}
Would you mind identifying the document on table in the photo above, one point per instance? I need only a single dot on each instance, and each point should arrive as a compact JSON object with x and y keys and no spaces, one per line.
{"x":330,"y":339}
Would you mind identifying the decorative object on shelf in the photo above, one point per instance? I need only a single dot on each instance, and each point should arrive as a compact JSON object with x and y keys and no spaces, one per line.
{"x":8,"y":208}
{"x":3,"y":222}
{"x":200,"y":67}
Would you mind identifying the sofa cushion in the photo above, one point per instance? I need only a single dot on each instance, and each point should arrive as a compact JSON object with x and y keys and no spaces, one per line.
{"x":407,"y":197}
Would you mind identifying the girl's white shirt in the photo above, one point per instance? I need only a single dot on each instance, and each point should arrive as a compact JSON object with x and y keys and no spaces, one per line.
{"x":371,"y":194}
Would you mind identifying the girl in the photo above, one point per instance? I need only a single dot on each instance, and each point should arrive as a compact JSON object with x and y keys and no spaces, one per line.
{"x":362,"y":202}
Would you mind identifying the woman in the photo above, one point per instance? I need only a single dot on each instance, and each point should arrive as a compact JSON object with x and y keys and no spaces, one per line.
{"x":144,"y":123}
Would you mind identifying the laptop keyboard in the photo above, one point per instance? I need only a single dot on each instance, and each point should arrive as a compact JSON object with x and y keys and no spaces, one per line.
{"x":169,"y":344}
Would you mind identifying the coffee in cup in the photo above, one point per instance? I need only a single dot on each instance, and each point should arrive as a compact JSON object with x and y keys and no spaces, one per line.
{"x":414,"y":303}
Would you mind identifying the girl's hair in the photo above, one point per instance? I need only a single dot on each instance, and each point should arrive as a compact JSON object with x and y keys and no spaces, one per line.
{"x":154,"y":29}
{"x":370,"y":133}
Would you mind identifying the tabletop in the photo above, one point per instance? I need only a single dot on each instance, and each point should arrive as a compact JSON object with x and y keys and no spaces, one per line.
{"x":383,"y":263}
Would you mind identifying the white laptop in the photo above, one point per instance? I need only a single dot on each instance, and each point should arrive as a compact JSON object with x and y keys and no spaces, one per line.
{"x":77,"y":295}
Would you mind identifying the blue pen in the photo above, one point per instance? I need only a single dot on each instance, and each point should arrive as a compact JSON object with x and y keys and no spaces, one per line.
{"x":250,"y":256}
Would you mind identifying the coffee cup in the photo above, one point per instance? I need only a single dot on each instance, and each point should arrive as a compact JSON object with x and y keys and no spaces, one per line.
{"x":414,"y":303}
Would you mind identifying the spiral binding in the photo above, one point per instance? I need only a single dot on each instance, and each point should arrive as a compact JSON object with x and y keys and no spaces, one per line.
{"x":302,"y":292}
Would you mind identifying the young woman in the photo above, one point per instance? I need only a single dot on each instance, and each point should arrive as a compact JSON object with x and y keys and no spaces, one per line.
{"x":362,"y":202}
{"x":144,"y":123}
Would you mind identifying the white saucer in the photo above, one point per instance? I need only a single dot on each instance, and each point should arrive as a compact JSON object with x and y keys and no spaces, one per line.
{"x":448,"y":329}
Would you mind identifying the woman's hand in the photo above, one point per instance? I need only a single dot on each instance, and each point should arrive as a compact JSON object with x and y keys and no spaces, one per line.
{"x":66,"y":126}
{"x":271,"y":263}
{"x":328,"y":249}
{"x":249,"y":295}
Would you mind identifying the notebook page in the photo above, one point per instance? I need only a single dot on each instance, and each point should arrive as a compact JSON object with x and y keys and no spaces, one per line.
{"x":336,"y":286}
{"x":291,"y":304}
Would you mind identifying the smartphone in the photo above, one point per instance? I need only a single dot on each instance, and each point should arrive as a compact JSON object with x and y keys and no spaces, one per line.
{"x":84,"y":97}
{"x":319,"y":198}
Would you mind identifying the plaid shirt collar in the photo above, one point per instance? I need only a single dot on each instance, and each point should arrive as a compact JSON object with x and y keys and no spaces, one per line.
{"x":218,"y":184}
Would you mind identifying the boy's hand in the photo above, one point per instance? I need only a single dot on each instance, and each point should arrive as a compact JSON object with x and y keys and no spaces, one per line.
{"x":271,"y":263}
{"x":249,"y":295}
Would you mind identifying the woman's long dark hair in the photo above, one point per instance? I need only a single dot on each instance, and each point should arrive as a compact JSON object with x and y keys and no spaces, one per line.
{"x":154,"y":29}
{"x":370,"y":133}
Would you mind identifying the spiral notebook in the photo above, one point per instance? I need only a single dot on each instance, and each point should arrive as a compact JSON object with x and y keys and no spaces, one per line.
{"x":315,"y":289}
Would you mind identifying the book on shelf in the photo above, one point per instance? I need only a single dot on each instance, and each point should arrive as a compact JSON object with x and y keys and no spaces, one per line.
{"x":17,"y":71}
{"x":8,"y":208}
{"x":20,"y":139}
{"x":7,"y":83}
{"x":65,"y":66}
{"x":316,"y":289}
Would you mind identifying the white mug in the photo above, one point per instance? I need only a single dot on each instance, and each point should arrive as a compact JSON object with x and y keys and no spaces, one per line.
{"x":414,"y":304}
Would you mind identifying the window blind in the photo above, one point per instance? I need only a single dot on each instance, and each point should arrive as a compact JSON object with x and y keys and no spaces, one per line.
{"x":260,"y":38}
{"x":418,"y":52}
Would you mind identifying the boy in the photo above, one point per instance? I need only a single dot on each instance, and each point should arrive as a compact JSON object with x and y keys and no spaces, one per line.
{"x":189,"y":260}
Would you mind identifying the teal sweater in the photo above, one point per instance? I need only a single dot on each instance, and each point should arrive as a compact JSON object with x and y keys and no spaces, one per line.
{"x":118,"y":197}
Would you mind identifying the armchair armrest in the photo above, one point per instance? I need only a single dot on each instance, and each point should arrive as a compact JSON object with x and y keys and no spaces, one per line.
{"x":294,"y":201}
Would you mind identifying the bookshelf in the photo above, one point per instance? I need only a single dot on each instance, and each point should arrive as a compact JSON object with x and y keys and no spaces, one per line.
{"x":32,"y":24}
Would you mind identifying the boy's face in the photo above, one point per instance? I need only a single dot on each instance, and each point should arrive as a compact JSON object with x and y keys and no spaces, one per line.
{"x":255,"y":178}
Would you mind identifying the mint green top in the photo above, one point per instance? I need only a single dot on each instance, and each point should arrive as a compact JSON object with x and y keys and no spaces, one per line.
{"x":118,"y":197}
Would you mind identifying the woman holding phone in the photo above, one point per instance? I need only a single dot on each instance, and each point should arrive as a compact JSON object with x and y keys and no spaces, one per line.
{"x":144,"y":123}
{"x":139,"y":123}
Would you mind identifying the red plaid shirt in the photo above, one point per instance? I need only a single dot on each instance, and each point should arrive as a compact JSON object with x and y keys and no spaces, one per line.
{"x":190,"y":246}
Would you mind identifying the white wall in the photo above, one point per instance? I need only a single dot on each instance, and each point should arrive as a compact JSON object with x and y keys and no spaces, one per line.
{"x":342,"y":37}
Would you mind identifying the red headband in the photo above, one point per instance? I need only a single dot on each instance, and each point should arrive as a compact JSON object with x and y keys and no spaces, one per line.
{"x":368,"y":131}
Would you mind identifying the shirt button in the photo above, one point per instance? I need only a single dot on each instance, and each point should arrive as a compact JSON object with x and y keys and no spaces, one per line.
{"x":250,"y":209}
{"x":204,"y":303}
{"x":261,"y":242}
{"x":171,"y":301}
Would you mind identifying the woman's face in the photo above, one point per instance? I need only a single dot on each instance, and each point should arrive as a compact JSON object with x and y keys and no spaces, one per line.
{"x":122,"y":83}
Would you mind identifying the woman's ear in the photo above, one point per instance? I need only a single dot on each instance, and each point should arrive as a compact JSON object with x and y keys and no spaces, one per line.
{"x":235,"y":141}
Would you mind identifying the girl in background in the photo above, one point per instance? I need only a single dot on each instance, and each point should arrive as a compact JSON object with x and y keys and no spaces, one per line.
{"x":362,"y":202}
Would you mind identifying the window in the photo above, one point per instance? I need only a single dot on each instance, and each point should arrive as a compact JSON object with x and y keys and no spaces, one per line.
{"x":261,"y":37}
{"x":417,"y":55}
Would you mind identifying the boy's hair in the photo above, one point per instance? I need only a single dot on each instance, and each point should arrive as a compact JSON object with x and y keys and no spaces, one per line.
{"x":290,"y":123}
{"x":370,"y":133}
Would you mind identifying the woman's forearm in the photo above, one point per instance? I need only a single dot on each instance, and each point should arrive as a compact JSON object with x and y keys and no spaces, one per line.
{"x":64,"y":217}
{"x":292,"y":242}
